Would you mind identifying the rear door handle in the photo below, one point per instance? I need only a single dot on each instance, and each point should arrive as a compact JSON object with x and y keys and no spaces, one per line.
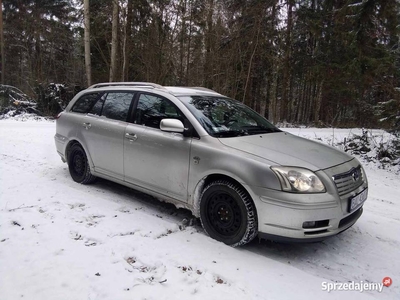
{"x":131,"y":136}
{"x":87,"y":125}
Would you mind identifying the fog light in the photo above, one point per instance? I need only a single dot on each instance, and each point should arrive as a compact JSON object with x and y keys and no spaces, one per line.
{"x":309,"y":224}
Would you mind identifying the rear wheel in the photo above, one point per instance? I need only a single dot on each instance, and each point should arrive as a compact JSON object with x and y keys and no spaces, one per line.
{"x":227,"y":213}
{"x":78,"y":165}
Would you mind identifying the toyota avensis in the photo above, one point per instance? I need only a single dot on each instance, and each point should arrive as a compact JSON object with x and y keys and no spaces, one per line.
{"x":203,"y":151}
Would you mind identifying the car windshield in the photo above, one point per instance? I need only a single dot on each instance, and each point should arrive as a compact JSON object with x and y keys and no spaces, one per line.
{"x":224,"y":117}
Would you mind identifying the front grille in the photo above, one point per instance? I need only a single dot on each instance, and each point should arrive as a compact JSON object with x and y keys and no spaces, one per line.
{"x":349,"y":181}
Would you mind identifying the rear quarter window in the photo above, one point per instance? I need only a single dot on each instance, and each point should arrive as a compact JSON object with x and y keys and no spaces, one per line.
{"x":85,"y":103}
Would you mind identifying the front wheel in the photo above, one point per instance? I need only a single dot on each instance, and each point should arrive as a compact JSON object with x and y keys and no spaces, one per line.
{"x":228,"y":214}
{"x":78,"y":165}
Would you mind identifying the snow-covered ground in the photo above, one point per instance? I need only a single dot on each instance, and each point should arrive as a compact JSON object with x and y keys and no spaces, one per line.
{"x":63,"y":240}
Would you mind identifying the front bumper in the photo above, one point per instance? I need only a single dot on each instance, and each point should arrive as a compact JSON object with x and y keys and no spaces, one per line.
{"x":316,"y":236}
{"x":286,"y":216}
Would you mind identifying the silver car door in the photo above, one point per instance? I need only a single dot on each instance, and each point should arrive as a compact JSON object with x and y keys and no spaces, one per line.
{"x":154,"y":159}
{"x":103,"y":129}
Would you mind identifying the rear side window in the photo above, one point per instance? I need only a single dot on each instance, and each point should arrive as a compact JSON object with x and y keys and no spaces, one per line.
{"x":97,"y":108}
{"x":85,"y":103}
{"x":117,"y":106}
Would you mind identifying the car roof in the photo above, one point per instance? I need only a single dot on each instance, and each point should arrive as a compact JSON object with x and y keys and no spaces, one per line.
{"x":125,"y":84}
{"x":174,"y":90}
{"x":180,"y":91}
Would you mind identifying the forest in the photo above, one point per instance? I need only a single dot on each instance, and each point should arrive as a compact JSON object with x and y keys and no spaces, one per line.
{"x":312,"y":62}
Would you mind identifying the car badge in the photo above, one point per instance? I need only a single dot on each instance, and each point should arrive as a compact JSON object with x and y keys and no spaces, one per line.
{"x":355,"y":174}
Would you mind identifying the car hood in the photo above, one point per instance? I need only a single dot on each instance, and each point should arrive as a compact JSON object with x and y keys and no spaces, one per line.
{"x":283,"y":148}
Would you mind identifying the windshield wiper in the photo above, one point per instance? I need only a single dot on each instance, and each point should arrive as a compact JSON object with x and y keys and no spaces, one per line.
{"x":230,"y":133}
{"x":260,"y":129}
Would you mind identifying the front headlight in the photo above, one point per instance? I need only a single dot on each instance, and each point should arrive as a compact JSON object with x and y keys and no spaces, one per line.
{"x":300,"y":180}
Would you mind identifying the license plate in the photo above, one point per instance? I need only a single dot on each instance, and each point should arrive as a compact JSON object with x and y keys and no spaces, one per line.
{"x":358,"y":200}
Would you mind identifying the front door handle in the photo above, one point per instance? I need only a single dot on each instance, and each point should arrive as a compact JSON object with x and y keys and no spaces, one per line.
{"x":131,"y":136}
{"x":87,"y":125}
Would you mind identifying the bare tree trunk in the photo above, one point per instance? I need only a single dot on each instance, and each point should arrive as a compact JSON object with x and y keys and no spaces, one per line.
{"x":127,"y":41}
{"x":188,"y":46}
{"x":251,"y":63}
{"x":273,"y":114}
{"x":208,"y":72}
{"x":114,"y":42}
{"x":38,"y":58}
{"x":272,"y":108}
{"x":263,"y":104}
{"x":2,"y":42}
{"x":318,"y":101}
{"x":88,"y":63}
{"x":181,"y":44}
{"x":286,"y":72}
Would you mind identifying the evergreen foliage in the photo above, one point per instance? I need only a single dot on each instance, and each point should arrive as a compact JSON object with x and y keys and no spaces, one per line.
{"x":328,"y":63}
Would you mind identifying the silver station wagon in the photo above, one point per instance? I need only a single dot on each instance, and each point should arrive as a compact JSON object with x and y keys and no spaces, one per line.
{"x":215,"y":156}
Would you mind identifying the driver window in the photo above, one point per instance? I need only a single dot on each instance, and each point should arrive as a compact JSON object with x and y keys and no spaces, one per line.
{"x":152,"y":109}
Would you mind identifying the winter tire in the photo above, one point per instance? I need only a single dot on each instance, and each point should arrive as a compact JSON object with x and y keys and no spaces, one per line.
{"x":228,"y":213}
{"x":78,"y":165}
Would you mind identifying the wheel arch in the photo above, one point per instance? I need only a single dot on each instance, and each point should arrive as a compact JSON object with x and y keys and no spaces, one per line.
{"x":74,"y":142}
{"x":206,"y":180}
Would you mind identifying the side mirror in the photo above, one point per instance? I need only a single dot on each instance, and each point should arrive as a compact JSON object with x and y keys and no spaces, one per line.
{"x":172,"y":125}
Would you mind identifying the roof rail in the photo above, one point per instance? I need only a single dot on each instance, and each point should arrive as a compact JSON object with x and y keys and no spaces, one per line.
{"x":135,"y":83}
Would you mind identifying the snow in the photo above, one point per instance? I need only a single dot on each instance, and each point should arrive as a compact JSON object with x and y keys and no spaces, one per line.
{"x":63,"y":240}
{"x":340,"y":138}
{"x":17,"y":116}
{"x":356,"y":4}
